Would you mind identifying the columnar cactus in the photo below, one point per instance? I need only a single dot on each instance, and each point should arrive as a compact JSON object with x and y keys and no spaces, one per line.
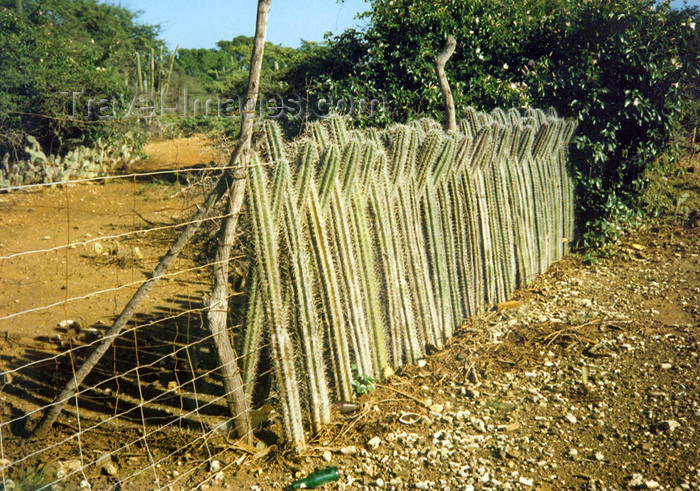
{"x":392,"y":237}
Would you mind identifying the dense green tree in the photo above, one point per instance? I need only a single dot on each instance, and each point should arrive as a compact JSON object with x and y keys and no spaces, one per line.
{"x":622,"y":68}
{"x":54,"y":48}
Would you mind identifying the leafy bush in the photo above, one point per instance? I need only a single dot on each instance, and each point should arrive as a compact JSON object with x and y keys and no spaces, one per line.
{"x":54,"y":48}
{"x":625,"y":69}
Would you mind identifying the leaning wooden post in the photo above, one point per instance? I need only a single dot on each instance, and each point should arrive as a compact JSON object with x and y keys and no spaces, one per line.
{"x":218,"y":306}
{"x":440,"y":62}
{"x":72,"y":386}
{"x":227,"y":183}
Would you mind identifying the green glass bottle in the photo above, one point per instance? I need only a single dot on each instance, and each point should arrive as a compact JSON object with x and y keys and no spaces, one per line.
{"x":317,"y":478}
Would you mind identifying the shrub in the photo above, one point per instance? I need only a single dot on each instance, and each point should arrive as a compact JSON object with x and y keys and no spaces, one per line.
{"x":624,"y":69}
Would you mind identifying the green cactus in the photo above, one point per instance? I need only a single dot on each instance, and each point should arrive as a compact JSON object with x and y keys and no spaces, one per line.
{"x":275,"y":312}
{"x":393,"y":236}
{"x":309,"y":326}
{"x":330,"y":295}
{"x":328,"y":169}
{"x":369,"y":281}
{"x":304,"y":166}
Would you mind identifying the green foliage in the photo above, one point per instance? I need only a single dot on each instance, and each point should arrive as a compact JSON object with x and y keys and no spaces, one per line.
{"x":224,"y":69}
{"x":626,"y":70}
{"x":361,"y":382}
{"x":54,"y":48}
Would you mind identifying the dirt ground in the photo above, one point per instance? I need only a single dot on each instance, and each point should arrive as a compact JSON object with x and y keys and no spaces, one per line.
{"x":591,"y":381}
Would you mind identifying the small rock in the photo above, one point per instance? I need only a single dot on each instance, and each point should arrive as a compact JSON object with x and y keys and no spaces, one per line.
{"x":219,"y":476}
{"x":380,"y":483}
{"x":110,"y":469}
{"x":84,"y":484}
{"x":327,"y":456}
{"x":374,"y":442}
{"x":637,"y":481}
{"x":422,"y":363}
{"x":422,"y":485}
{"x":5,"y":463}
{"x":573,"y":453}
{"x":437,"y":408}
{"x":669,"y":426}
{"x":525,"y":481}
{"x":599,"y":456}
{"x":651,"y":484}
{"x":570,"y":418}
{"x":513,"y":453}
{"x":214,"y":466}
{"x":349,"y":450}
{"x":137,"y":253}
{"x":666,"y":366}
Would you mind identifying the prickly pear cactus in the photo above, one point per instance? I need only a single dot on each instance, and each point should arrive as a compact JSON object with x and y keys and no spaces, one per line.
{"x":79,"y":163}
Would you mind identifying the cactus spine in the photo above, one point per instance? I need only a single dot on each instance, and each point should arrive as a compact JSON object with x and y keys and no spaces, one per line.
{"x":391,"y":237}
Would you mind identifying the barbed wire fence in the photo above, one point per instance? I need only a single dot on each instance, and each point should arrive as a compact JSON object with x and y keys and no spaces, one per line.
{"x":153,"y":412}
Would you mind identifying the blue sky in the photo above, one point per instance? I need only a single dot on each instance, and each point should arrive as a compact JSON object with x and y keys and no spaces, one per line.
{"x":200,"y":24}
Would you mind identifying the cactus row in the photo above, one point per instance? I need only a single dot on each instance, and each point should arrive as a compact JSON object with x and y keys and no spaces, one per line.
{"x":377,"y":244}
{"x":80,"y":163}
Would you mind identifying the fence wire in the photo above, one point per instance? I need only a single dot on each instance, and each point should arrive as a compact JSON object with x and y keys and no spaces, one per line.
{"x":152,"y":414}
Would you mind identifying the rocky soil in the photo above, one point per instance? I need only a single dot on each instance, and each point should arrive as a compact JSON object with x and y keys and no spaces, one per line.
{"x":590,"y":380}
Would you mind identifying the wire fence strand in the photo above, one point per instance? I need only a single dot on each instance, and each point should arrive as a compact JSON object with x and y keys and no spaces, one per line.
{"x":157,"y":393}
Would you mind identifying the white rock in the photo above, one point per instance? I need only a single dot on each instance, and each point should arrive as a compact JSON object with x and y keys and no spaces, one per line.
{"x":380,"y":483}
{"x":669,"y":426}
{"x":219,"y":476}
{"x":84,"y":484}
{"x":349,"y":450}
{"x":374,"y":442}
{"x":5,"y":463}
{"x":437,"y":408}
{"x":666,"y":366}
{"x":637,"y":481}
{"x":599,"y":456}
{"x":525,"y":481}
{"x":422,"y":363}
{"x":327,"y":456}
{"x":651,"y":484}
{"x":570,"y":418}
{"x":422,"y":485}
{"x":468,"y":487}
{"x":573,"y":452}
{"x":214,"y":466}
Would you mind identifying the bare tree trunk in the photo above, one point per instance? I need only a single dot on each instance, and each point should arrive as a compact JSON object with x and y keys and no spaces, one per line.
{"x":440,"y":62}
{"x":218,"y":307}
{"x":235,"y":184}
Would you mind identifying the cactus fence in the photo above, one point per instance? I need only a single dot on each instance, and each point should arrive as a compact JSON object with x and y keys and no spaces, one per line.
{"x":365,"y":248}
{"x":372,"y":245}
